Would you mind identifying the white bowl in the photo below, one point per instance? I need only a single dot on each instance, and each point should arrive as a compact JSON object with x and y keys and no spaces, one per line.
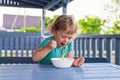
{"x":59,"y":63}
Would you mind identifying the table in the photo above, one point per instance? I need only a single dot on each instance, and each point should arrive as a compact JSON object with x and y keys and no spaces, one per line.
{"x":88,"y":71}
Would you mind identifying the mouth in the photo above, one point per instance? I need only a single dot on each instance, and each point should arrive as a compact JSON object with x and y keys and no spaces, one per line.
{"x":63,"y":44}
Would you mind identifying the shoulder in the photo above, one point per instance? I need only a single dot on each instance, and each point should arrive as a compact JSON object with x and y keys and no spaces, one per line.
{"x":70,"y":44}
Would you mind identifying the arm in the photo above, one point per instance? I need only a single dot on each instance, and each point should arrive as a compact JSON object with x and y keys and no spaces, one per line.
{"x":40,"y":53}
{"x":78,"y":61}
{"x":70,"y":55}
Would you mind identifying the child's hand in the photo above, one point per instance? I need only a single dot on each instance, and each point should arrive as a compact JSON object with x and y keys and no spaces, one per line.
{"x":52,"y":44}
{"x":78,"y":62}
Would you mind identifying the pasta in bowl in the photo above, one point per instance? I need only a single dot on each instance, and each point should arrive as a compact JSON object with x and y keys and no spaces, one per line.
{"x":62,"y":63}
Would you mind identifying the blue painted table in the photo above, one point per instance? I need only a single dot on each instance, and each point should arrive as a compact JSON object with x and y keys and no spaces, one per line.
{"x":89,"y":71}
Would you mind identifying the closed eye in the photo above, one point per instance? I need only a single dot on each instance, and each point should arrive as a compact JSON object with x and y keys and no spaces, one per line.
{"x":64,"y":37}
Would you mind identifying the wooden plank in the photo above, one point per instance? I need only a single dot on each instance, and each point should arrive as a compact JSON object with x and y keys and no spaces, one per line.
{"x":89,"y":71}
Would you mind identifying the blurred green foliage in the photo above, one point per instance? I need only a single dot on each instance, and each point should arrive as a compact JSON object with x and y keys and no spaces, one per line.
{"x":31,"y":29}
{"x":88,"y":25}
{"x":116,"y":28}
{"x":91,"y":25}
{"x":48,"y":20}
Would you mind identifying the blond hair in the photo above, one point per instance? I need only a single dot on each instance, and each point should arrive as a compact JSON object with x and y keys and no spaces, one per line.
{"x":64,"y":23}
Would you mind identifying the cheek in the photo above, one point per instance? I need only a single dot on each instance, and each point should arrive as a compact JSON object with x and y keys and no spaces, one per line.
{"x":59,"y":39}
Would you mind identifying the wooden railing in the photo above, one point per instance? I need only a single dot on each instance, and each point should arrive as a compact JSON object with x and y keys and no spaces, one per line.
{"x":90,"y":46}
{"x":18,"y":44}
{"x":107,"y":46}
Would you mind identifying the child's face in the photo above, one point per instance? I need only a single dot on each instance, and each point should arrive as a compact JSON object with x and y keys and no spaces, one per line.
{"x":63,"y":38}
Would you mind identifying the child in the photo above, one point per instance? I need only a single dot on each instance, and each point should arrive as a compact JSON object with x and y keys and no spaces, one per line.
{"x":64,"y":30}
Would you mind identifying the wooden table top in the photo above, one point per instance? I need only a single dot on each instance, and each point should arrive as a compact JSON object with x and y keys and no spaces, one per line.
{"x":88,"y":71}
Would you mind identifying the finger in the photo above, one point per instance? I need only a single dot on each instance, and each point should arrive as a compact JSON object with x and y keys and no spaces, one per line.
{"x":81,"y":61}
{"x":75,"y":63}
{"x":83,"y":58}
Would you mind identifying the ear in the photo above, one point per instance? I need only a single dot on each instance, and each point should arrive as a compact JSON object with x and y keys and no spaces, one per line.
{"x":55,"y":33}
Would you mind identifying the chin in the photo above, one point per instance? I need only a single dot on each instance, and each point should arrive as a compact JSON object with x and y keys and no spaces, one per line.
{"x":61,"y":45}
